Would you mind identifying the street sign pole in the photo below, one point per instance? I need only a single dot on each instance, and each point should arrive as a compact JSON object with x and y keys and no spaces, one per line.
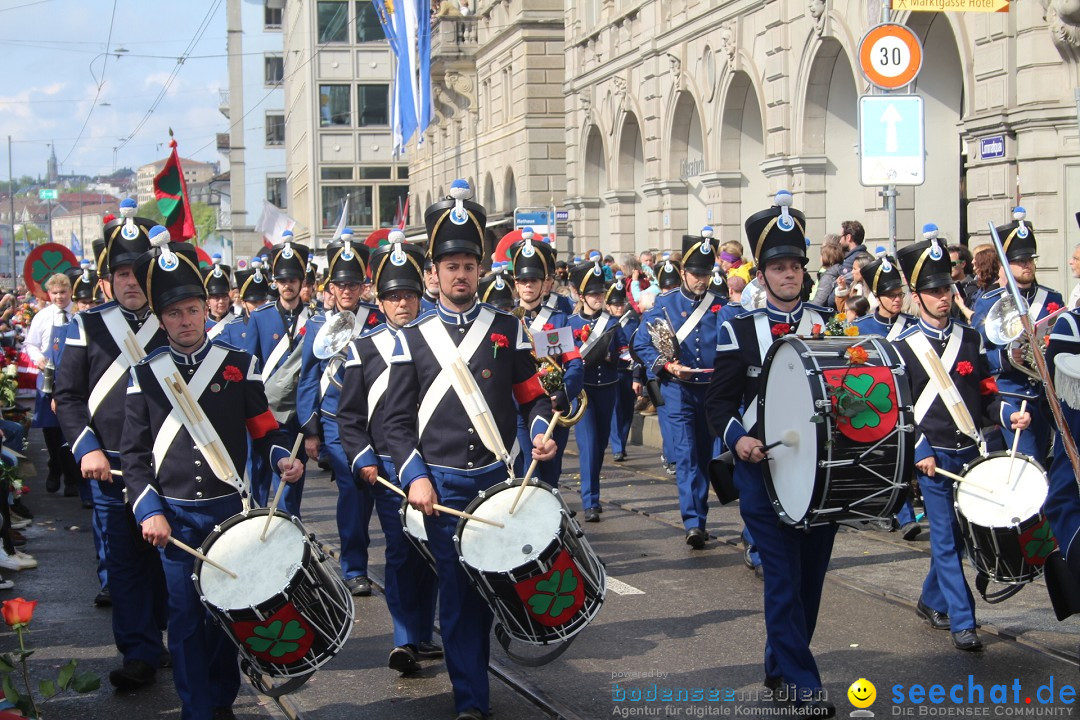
{"x":890,"y":190}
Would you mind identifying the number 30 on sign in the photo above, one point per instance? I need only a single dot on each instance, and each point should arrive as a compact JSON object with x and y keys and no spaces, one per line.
{"x":890,"y":56}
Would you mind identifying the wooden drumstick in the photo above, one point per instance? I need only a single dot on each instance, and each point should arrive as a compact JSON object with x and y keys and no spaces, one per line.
{"x":968,"y":483}
{"x":1016,"y":444}
{"x":192,"y":551}
{"x":443,"y":508}
{"x":532,"y":466}
{"x":280,"y":488}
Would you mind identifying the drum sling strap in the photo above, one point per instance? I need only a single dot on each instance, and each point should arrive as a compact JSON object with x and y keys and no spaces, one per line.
{"x":121,"y":334}
{"x":164,"y":370}
{"x":596,"y":335}
{"x":941,"y":384}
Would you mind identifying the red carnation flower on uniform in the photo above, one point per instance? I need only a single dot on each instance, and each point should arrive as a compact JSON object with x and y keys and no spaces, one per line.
{"x":1052,"y":308}
{"x":547,"y":326}
{"x":302,"y":331}
{"x":372,"y":319}
{"x":500,"y":340}
{"x":232,"y":374}
{"x":714,"y":309}
{"x":964,"y":367}
{"x":780,"y":329}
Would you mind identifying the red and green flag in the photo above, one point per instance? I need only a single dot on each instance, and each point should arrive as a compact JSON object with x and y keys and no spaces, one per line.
{"x":172,"y":198}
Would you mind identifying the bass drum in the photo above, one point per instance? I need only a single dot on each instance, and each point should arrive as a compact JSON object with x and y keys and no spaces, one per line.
{"x":854,"y":427}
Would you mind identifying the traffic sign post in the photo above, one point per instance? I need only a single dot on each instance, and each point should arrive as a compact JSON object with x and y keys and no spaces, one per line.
{"x":48,"y":194}
{"x":891,"y":140}
{"x":890,"y":56}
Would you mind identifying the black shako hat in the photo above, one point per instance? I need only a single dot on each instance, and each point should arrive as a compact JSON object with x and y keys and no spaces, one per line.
{"x":882,"y":275}
{"x":347,"y":260}
{"x":588,"y":277}
{"x":1018,"y":237}
{"x":217,"y":279}
{"x":289,"y":260}
{"x":495,"y":287}
{"x":84,"y":282}
{"x":778,"y":232}
{"x":252,"y":282}
{"x":169,"y":272}
{"x":531,"y":257}
{"x":926,"y":264}
{"x":669,"y":275}
{"x":397,"y":265}
{"x":455,"y":224}
{"x":699,"y":252}
{"x":126,"y":237}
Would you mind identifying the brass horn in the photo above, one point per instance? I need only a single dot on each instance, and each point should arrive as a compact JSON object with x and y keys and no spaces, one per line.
{"x":1003,"y":324}
{"x":334,"y":335}
{"x":552,"y":379}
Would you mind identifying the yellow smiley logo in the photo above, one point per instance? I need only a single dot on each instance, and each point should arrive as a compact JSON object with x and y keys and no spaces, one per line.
{"x":862,"y":693}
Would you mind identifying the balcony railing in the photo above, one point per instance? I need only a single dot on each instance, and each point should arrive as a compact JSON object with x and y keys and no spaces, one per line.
{"x":453,"y":38}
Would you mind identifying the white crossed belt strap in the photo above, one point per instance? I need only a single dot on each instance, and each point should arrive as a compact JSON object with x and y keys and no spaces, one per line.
{"x":941,"y":384}
{"x":284,"y":344}
{"x":197,"y":385}
{"x":596,"y":334}
{"x":120,"y":331}
{"x":164,"y":370}
{"x":384,"y":343}
{"x":217,"y":327}
{"x":542,"y":317}
{"x":898,"y":326}
{"x":695,"y":317}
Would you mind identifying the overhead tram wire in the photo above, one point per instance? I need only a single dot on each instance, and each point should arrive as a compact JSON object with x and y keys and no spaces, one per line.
{"x":100,"y":85}
{"x":199,"y":32}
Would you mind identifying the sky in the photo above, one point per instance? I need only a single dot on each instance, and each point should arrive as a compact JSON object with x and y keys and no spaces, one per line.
{"x":53,"y":56}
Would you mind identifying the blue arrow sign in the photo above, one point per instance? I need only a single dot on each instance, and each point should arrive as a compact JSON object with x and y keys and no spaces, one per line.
{"x":891,"y":140}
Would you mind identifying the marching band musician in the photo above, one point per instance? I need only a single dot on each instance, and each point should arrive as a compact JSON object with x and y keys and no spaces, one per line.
{"x":794,"y":561}
{"x":625,"y":395}
{"x":217,"y":280}
{"x":102,"y":344}
{"x":533,"y":263}
{"x":251,"y":291}
{"x":945,"y":357}
{"x":668,"y":280}
{"x":172,"y":492}
{"x":882,"y":276}
{"x":430,"y":298}
{"x":317,"y":408}
{"x":410,"y":587}
{"x":1062,"y":506}
{"x":1018,"y":239}
{"x":86,"y":291}
{"x":438,"y":452}
{"x":276,"y":332}
{"x":692,"y":312}
{"x":600,"y":342}
{"x":495,"y":288}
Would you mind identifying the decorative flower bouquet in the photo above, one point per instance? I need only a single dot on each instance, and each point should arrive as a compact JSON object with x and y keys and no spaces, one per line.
{"x":838,"y":326}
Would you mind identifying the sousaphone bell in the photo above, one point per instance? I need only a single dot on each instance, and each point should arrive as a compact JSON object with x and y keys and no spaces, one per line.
{"x":332,"y":339}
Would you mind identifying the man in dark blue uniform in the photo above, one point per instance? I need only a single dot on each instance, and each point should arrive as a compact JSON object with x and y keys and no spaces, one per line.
{"x":252,"y":287}
{"x":625,"y":395}
{"x":600,"y":342}
{"x":102,"y":344}
{"x":278,"y":331}
{"x":495,"y":288}
{"x":794,"y":561}
{"x":438,"y":451}
{"x":533,"y":264}
{"x":882,"y":276}
{"x":1018,"y":239}
{"x":173,"y":492}
{"x":410,"y":581}
{"x":692,"y":311}
{"x":316,"y":403}
{"x":946,"y":437}
{"x":1062,"y":505}
{"x":217,"y":280}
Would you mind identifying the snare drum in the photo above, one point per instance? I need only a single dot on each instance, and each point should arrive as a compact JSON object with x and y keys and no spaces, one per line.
{"x":539,"y":575}
{"x":1005,"y":532}
{"x":412,"y":522}
{"x":288,"y":611}
{"x":855,"y":428}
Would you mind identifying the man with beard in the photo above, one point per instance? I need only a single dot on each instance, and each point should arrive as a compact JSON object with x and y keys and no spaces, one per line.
{"x":1018,"y":239}
{"x":317,"y":407}
{"x":276,"y":335}
{"x":410,"y":582}
{"x":438,"y":452}
{"x":944,"y":357}
{"x":794,"y":561}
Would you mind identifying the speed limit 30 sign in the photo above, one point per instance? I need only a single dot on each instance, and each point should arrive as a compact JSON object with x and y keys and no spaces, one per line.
{"x":890,"y":56}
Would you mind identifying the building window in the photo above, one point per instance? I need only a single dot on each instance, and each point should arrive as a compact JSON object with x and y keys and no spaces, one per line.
{"x":275,"y":191}
{"x":333,"y":198}
{"x":274,"y":69}
{"x":333,"y":21}
{"x":334,"y":102}
{"x":403,"y":172}
{"x":336,"y":173}
{"x":368,"y":27}
{"x":374,"y":104}
{"x":377,"y":172}
{"x":275,"y":129}
{"x":271,"y":16}
{"x":392,"y":199}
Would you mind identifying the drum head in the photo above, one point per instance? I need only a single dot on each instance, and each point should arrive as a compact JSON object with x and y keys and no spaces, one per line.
{"x":789,"y":405}
{"x":527,"y":533}
{"x":263,"y":568}
{"x":414,"y":522}
{"x":991,"y":498}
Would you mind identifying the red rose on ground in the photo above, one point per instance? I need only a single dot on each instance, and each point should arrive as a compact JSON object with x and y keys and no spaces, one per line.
{"x":780,"y":329}
{"x":18,"y":612}
{"x":232,"y":374}
{"x":964,"y":367}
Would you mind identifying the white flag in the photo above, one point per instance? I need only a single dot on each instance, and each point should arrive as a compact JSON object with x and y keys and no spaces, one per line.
{"x":341,"y":220}
{"x":273,"y":222}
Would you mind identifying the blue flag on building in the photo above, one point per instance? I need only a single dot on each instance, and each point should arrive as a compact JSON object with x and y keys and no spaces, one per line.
{"x":76,"y":245}
{"x":407,"y":26}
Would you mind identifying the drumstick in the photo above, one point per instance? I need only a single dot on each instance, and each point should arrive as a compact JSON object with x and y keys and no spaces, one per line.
{"x":192,"y":551}
{"x":1016,"y":443}
{"x":280,"y":487}
{"x":443,"y":508}
{"x":968,"y":483}
{"x":532,"y":466}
